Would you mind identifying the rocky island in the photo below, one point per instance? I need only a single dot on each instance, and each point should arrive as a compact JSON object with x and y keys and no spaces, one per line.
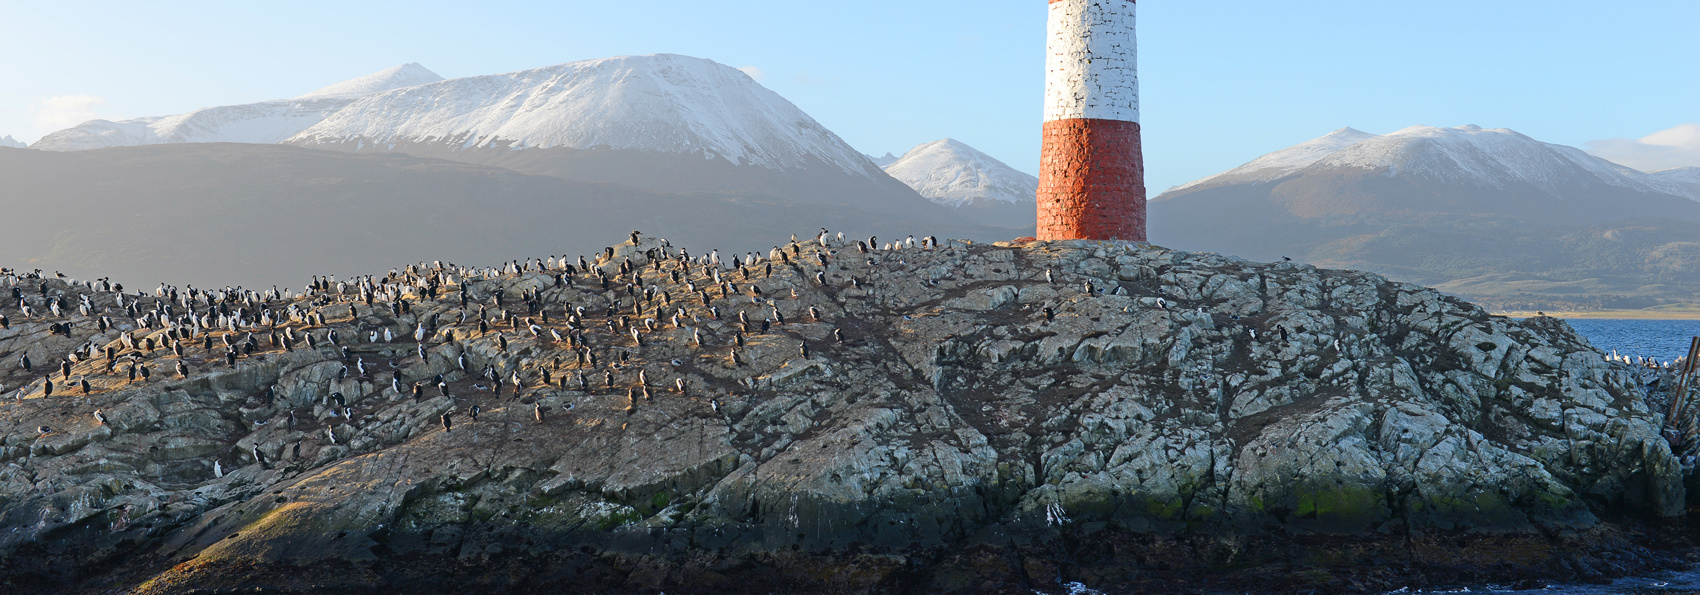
{"x":833,"y":416}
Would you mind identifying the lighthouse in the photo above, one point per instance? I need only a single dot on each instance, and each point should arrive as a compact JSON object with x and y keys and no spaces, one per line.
{"x":1091,"y":171}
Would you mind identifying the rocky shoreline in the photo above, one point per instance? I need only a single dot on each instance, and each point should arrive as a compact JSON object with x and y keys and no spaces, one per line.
{"x":873,"y":418}
{"x":1104,"y":559}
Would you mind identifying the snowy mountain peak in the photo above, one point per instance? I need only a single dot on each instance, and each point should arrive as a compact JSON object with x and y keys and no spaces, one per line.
{"x":1467,"y":155}
{"x":406,"y":75}
{"x":1490,"y":157}
{"x":663,"y":103}
{"x":1284,"y":162}
{"x":11,"y":143}
{"x":952,"y":173}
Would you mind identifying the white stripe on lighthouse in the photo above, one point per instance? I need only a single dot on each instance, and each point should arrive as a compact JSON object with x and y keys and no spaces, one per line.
{"x":1091,"y":70}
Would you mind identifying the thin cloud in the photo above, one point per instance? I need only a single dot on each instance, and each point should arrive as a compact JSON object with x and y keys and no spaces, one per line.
{"x":754,"y":73}
{"x":64,"y":111}
{"x":1665,"y":149}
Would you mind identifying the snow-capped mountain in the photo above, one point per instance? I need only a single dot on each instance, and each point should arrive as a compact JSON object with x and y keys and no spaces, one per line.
{"x":1284,"y":162}
{"x":1682,"y":179}
{"x":264,"y":122}
{"x":956,"y":175}
{"x":10,"y":143}
{"x":951,"y":173}
{"x":660,"y":103}
{"x":1488,"y":214}
{"x":1466,"y":155}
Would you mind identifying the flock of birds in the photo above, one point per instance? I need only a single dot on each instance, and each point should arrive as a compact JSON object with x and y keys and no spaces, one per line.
{"x":594,"y":315}
{"x":628,"y":298}
{"x":1641,"y":361}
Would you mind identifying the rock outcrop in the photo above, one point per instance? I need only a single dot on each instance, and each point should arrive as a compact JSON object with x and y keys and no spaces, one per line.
{"x":882,"y":403}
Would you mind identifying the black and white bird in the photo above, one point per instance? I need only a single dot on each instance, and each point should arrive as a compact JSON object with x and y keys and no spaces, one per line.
{"x":99,"y":418}
{"x":448,"y":421}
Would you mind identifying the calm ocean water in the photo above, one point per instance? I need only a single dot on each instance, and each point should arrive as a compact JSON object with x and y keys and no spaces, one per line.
{"x":1665,"y":340}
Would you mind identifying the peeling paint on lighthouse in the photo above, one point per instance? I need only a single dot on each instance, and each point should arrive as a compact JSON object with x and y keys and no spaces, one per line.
{"x":1091,"y":170}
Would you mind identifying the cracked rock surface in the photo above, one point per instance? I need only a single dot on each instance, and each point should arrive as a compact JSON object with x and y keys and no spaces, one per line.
{"x":886,"y":401}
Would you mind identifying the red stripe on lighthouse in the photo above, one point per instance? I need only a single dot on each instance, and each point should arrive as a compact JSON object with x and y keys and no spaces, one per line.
{"x":1091,"y":168}
{"x":1091,"y":181}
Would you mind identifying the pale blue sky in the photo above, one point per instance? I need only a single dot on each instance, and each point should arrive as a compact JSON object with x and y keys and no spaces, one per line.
{"x":1221,"y":81}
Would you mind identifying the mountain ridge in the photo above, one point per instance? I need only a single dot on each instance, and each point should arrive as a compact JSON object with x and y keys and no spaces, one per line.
{"x":1490,"y":214}
{"x":664,"y":103}
{"x":265,"y":122}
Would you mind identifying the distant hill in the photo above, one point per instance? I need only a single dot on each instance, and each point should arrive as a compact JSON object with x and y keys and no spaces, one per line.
{"x":225,"y":214}
{"x":1491,"y":215}
{"x":983,"y":189}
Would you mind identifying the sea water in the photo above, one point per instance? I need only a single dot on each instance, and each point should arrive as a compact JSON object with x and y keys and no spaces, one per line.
{"x":1664,"y":583}
{"x":1663,"y":340}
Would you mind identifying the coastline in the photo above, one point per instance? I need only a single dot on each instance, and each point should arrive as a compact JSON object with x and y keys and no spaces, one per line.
{"x":1656,"y":313}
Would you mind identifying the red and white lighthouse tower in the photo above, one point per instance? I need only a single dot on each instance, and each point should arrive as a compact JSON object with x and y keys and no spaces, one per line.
{"x":1091,"y":171}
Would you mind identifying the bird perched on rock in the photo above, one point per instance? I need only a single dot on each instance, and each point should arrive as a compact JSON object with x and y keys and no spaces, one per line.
{"x":475,"y":411}
{"x":99,"y":418}
{"x":803,"y":349}
{"x":537,"y":411}
{"x":448,"y":421}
